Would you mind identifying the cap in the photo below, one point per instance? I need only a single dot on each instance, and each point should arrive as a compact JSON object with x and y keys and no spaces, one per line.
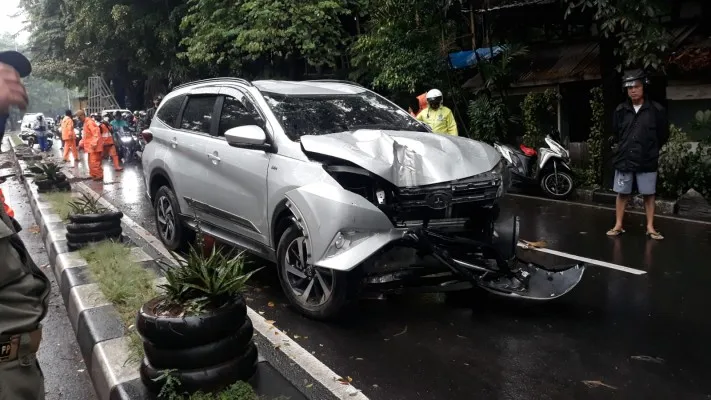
{"x":16,"y":60}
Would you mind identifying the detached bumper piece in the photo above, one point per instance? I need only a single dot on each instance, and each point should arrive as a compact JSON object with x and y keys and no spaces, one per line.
{"x":495,"y":267}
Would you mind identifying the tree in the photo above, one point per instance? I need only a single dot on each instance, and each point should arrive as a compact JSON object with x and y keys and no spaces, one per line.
{"x":232,"y":35}
{"x":406,"y":45}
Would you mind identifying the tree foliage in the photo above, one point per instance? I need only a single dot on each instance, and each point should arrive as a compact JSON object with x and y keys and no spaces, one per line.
{"x":405,"y":45}
{"x":635,"y":24}
{"x":231,"y":34}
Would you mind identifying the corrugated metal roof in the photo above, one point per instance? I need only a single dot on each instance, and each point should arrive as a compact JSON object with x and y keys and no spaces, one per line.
{"x":567,"y":63}
{"x":546,"y":66}
{"x":494,"y":5}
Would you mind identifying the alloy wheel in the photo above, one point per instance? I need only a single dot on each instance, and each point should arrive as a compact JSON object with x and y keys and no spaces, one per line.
{"x":166,"y":219}
{"x":312,"y":286}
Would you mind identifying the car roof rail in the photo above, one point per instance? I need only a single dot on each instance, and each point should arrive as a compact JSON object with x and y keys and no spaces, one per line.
{"x":228,"y":79}
{"x":335,"y":81}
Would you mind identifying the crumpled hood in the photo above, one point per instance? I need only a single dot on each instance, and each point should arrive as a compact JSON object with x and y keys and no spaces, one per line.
{"x":407,"y":158}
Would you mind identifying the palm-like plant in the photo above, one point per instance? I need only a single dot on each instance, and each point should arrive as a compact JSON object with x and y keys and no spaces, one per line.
{"x":497,"y":72}
{"x":205,"y":281}
{"x":46,"y":171}
{"x":87,"y":205}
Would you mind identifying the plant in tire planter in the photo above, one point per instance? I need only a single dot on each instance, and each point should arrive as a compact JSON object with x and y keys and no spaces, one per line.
{"x":198,"y":330}
{"x":89,"y":222}
{"x":49,"y":178}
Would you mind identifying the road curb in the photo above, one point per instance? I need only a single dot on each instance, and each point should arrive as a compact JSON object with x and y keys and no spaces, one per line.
{"x":101,"y":334}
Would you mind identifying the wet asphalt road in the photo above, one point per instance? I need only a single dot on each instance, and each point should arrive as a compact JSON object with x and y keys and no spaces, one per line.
{"x":627,"y":336}
{"x":61,"y":361}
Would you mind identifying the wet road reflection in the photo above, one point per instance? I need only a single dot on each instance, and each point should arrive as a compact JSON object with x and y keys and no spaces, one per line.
{"x":421,"y":347}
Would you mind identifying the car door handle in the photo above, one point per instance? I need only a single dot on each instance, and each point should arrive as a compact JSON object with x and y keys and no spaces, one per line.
{"x":215,"y":159}
{"x":174,"y":143}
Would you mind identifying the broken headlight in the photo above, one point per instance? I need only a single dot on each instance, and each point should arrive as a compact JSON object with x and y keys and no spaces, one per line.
{"x":345,"y":240}
{"x":500,"y":173}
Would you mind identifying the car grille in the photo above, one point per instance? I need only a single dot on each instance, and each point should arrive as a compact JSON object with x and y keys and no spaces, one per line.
{"x":456,"y":199}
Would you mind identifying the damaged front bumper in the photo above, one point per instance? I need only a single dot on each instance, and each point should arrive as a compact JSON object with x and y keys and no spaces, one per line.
{"x":343,"y":230}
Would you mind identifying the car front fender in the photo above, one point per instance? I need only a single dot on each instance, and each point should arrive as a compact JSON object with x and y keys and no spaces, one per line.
{"x":324,"y":212}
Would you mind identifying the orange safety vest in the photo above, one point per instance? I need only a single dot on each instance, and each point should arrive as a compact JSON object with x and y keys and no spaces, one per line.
{"x":9,"y":211}
{"x":92,"y":136}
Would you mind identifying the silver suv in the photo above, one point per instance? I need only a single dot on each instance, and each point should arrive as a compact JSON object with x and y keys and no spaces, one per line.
{"x":336,"y":185}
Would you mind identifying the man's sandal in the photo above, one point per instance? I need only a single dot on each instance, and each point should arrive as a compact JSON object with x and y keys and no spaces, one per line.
{"x":615,"y":232}
{"x":655,"y":235}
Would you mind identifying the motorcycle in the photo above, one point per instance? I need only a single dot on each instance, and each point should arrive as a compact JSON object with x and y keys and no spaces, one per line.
{"x":127,"y":144}
{"x":31,"y":139}
{"x":548,"y":168}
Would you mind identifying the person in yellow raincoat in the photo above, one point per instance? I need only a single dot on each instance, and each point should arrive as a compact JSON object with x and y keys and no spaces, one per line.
{"x":437,"y":116}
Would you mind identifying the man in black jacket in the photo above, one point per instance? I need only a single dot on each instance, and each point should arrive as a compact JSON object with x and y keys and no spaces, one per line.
{"x":642,"y":129}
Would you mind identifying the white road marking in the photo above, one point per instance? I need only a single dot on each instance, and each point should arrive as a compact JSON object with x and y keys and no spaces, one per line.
{"x":584,"y":259}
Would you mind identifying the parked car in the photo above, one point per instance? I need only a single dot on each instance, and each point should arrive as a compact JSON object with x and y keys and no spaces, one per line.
{"x":328,"y":180}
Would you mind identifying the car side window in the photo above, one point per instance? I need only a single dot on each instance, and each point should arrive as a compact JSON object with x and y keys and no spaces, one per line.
{"x":238,"y":112}
{"x":169,"y":112}
{"x":197,"y":116}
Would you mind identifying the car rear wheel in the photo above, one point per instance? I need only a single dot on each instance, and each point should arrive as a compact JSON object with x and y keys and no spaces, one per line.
{"x":167,"y":215}
{"x":319,"y":293}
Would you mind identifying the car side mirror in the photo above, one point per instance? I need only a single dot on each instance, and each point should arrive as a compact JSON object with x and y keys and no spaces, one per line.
{"x":247,"y":136}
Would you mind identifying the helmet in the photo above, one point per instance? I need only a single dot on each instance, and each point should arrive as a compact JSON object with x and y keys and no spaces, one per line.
{"x":630,"y":77}
{"x":433,"y":94}
{"x":434,"y":98}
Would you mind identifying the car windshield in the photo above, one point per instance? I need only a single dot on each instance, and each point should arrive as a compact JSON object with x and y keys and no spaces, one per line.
{"x":302,"y":115}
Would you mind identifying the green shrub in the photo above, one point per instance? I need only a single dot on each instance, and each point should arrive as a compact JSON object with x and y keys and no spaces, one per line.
{"x":681,"y":169}
{"x":488,"y":119}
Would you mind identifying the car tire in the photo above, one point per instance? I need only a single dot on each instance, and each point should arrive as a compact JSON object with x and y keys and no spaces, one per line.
{"x":181,"y":234}
{"x":190,"y":330}
{"x":204,"y":355}
{"x":93,"y":226}
{"x":549,"y":191}
{"x":208,"y":379}
{"x":89,"y":237}
{"x":344,"y":284}
{"x":90,"y":218}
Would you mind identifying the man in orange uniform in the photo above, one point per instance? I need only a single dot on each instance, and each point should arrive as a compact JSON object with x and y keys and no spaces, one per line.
{"x":109,"y":146}
{"x":68,"y":137}
{"x":92,"y":145}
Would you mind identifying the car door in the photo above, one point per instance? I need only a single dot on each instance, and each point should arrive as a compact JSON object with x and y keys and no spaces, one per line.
{"x":237,"y":185}
{"x":187,"y":148}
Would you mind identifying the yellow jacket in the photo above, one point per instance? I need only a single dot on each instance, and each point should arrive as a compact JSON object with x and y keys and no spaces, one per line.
{"x":440,"y":120}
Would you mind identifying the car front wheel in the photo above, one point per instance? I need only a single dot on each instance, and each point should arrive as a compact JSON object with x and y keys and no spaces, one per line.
{"x":318,"y":293}
{"x":167,"y":215}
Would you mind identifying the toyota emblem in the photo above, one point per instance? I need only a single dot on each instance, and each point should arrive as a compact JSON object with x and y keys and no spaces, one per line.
{"x":438,"y":200}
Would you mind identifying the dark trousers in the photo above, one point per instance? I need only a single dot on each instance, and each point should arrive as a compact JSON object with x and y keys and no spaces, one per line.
{"x":42,"y":141}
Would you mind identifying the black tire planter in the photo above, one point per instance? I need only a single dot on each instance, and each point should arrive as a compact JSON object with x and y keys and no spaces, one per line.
{"x":205,"y":379}
{"x":92,"y":218}
{"x":202,"y":356}
{"x":63,"y":186}
{"x":97,"y":236}
{"x":44,"y":184}
{"x":190,"y":330}
{"x":94,"y":226}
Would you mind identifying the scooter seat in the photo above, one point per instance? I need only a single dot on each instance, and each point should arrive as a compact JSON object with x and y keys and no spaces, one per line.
{"x":528,"y":151}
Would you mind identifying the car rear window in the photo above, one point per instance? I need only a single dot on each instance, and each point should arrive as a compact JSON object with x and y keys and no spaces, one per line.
{"x":168,"y":113}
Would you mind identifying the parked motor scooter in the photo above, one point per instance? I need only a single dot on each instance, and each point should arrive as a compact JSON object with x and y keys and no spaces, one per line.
{"x":31,"y":139}
{"x":548,"y":168}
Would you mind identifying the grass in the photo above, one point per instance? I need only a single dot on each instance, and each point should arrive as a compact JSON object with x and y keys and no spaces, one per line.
{"x":60,"y":203}
{"x":237,"y":391}
{"x":125,"y":283}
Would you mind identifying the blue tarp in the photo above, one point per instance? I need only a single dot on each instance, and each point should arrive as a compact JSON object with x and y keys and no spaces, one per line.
{"x":464,"y":59}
